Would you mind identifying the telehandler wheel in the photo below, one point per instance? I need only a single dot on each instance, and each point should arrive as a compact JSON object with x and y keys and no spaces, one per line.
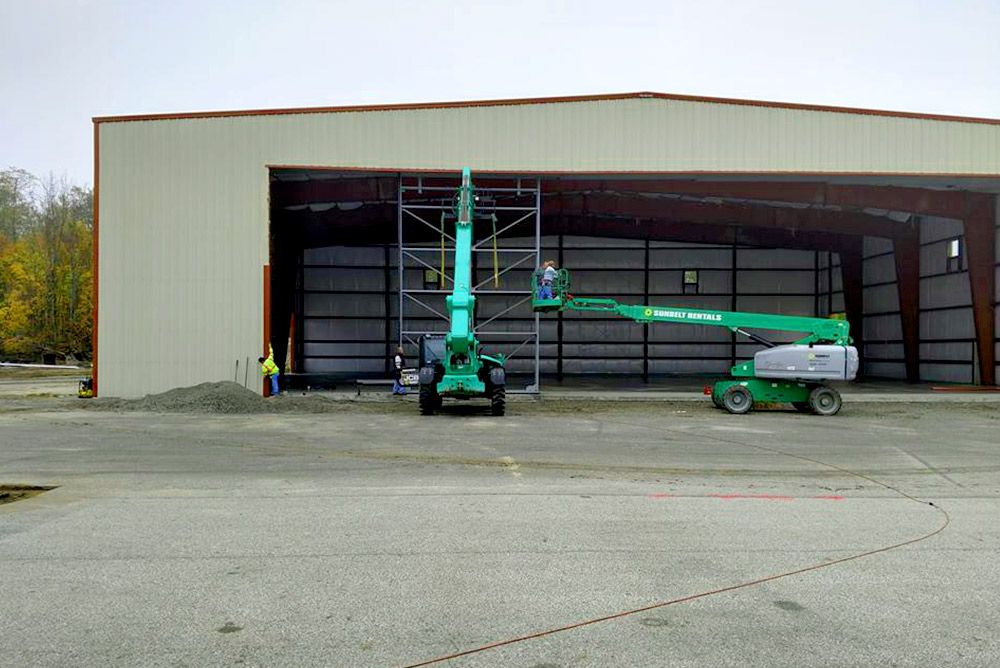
{"x":825,"y":400}
{"x":429,"y":400}
{"x":802,"y":406}
{"x":498,"y":400}
{"x":737,"y":400}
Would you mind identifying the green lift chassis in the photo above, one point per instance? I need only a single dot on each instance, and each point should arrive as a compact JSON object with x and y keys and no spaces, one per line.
{"x":453,"y":365}
{"x":792,"y":373}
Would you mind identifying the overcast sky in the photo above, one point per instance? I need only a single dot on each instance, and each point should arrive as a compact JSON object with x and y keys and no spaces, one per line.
{"x":62,"y":62}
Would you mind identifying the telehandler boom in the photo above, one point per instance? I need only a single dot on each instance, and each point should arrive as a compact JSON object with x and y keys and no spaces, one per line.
{"x":453,"y":365}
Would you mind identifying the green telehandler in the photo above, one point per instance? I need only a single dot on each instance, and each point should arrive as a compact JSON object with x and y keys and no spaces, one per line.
{"x":453,"y":364}
{"x":791,"y":373}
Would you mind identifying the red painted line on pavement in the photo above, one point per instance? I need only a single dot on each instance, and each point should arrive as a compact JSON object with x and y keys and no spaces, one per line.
{"x":764,"y":497}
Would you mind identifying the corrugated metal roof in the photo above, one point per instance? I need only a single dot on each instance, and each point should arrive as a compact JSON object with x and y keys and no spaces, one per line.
{"x":620,"y":134}
{"x":543,"y":100}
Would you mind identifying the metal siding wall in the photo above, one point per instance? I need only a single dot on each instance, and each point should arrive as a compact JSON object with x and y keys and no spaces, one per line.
{"x":945,"y":303}
{"x":946,"y":330}
{"x":883,"y":353}
{"x":333,"y":323}
{"x":184,"y":215}
{"x":592,"y":342}
{"x":183,"y":239}
{"x":584,"y":332}
{"x":996,"y":288}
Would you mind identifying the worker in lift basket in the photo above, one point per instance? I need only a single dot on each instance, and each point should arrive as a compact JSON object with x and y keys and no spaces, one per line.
{"x":546,"y":279}
{"x":269,"y":369}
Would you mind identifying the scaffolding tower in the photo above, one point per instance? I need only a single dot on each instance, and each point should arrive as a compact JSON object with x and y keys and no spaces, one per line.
{"x":506,"y":209}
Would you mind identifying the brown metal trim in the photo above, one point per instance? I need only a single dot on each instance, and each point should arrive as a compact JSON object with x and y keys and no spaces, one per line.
{"x":655,"y":173}
{"x":95,"y":254}
{"x":267,"y":322}
{"x":980,"y":232}
{"x":547,"y":100}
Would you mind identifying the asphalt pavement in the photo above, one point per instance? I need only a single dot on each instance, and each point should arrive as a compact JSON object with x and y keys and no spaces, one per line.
{"x":380,"y":538}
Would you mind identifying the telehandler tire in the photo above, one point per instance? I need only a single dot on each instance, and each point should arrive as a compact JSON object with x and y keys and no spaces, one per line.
{"x":429,"y":400}
{"x":498,"y":400}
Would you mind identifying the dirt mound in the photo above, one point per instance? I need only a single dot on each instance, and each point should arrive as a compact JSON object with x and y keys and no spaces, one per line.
{"x":225,"y":397}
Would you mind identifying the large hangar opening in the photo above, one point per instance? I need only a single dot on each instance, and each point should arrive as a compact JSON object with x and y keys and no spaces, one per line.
{"x":343,"y":242}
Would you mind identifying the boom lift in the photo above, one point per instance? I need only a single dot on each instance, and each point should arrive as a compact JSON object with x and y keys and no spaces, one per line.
{"x":453,"y":365}
{"x":787,"y":373}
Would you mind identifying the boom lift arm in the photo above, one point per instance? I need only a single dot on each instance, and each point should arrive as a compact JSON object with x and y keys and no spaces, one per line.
{"x":785,"y":373}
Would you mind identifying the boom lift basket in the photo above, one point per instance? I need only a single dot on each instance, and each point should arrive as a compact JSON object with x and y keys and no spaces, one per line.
{"x":560,"y":291}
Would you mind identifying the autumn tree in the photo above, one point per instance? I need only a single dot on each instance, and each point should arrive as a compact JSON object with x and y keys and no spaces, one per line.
{"x":45,"y":266}
{"x":17,"y":210}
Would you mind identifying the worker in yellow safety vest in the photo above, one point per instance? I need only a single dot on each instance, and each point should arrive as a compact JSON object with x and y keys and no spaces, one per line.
{"x":270,"y":370}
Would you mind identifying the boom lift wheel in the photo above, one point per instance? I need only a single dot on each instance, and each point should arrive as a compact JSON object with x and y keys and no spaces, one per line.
{"x":737,"y":400}
{"x":825,"y":400}
{"x":498,"y":400}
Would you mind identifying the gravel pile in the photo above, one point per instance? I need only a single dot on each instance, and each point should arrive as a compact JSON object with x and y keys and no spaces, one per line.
{"x":223,"y":398}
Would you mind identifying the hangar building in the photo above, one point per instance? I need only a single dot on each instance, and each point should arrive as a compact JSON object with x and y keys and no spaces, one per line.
{"x":325,"y":231}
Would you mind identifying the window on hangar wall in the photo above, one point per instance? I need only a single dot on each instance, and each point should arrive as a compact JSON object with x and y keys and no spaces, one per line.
{"x":432,"y":281}
{"x":690,"y":282}
{"x":954,"y":250}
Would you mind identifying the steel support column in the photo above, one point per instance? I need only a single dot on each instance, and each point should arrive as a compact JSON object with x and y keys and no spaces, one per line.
{"x":645,"y":300}
{"x":906,"y":253}
{"x":851,"y":267}
{"x":387,"y":307}
{"x":559,"y":324}
{"x":298,"y":354}
{"x":980,"y":240}
{"x":816,"y":283}
{"x":733,"y":299}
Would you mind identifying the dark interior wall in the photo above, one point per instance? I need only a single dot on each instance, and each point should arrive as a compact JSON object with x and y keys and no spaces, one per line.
{"x":848,"y":273}
{"x":348,"y":290}
{"x":947,"y":342}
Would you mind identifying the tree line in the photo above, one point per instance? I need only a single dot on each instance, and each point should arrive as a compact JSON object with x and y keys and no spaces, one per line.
{"x":46,"y":241}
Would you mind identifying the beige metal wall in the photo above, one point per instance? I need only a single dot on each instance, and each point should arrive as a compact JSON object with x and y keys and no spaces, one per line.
{"x":183,"y":203}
